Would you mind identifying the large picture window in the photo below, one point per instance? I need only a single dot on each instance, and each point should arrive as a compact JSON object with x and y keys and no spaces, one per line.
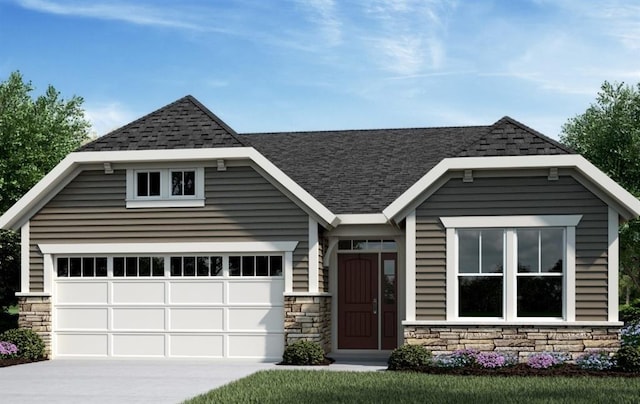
{"x":511,"y":268}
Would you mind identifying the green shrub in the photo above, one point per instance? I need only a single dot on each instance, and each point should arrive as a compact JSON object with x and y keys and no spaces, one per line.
{"x":30,"y":345}
{"x":409,"y":357}
{"x":303,"y":353}
{"x":628,"y":359}
{"x":630,"y":312}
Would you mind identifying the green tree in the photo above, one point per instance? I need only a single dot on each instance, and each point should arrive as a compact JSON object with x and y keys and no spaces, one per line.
{"x":35,"y":134}
{"x":608,"y":135}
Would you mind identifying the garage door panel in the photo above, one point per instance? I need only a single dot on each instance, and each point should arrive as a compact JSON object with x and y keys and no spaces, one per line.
{"x":256,"y":346}
{"x":196,"y":319}
{"x":197,"y":292}
{"x":82,"y":318}
{"x":256,"y":319}
{"x":138,"y":292}
{"x":258,"y":291}
{"x":138,"y":345}
{"x":211,"y":346}
{"x":138,"y":319}
{"x":81,"y":344}
{"x":81,"y":292}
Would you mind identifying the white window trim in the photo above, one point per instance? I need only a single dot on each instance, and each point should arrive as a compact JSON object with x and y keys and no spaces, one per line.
{"x":169,"y":248}
{"x":165,"y":199}
{"x":510,"y":224}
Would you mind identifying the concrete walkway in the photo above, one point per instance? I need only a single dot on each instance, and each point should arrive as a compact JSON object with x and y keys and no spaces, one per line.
{"x":132,"y":381}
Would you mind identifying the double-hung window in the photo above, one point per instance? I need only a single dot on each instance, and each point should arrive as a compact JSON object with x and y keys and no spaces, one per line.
{"x":513,"y":268}
{"x":165,"y":187}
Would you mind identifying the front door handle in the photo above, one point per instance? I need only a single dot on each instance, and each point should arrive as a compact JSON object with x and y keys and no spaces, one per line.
{"x":375,"y":306}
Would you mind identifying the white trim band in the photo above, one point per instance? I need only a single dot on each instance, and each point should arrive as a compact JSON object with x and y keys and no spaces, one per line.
{"x":466,"y":323}
{"x":460,"y":222}
{"x":163,"y":248}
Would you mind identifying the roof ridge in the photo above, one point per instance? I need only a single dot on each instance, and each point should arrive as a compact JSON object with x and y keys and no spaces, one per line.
{"x":362,"y":130}
{"x":124,"y":127}
{"x":214,"y":117}
{"x":534,"y":132}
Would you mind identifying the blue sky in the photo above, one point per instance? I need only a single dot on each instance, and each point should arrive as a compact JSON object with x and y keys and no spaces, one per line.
{"x":326,"y":64}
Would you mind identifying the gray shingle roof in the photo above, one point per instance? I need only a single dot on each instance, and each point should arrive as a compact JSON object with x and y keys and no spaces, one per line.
{"x":349,"y":171}
{"x":183,"y":124}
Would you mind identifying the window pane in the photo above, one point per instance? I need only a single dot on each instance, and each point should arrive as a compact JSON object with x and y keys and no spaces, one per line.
{"x":389,"y":280}
{"x":158,"y":266}
{"x":63,"y":267}
{"x":359,"y":244}
{"x":469,"y":251}
{"x":131,"y":266}
{"x":154,"y":183}
{"x":118,"y":266}
{"x":101,"y":266}
{"x":389,"y":245}
{"x":528,"y":250}
{"x":276,"y":265}
{"x":492,"y":251}
{"x":552,"y":250}
{"x":189,"y":268}
{"x":216,"y":266}
{"x":87,"y":267}
{"x":143,"y":184}
{"x":75,"y":267}
{"x":234,"y":266}
{"x":540,"y":296}
{"x":203,"y":266}
{"x":248,"y":266}
{"x":374,"y":245}
{"x":480,"y":296}
{"x":144,"y":266}
{"x":176,"y":266}
{"x":189,"y":186}
{"x":344,"y":245}
{"x":176,"y":183}
{"x":262,"y":265}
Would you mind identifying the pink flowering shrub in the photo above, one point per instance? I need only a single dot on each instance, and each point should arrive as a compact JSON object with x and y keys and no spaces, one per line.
{"x":545,"y":360}
{"x":8,"y":350}
{"x":471,"y":357}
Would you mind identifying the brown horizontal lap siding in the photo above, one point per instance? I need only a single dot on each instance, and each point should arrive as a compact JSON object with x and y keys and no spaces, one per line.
{"x":240,"y":206}
{"x":494,"y":196}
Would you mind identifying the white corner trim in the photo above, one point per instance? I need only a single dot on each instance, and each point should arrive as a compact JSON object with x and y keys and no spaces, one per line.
{"x":511,"y":221}
{"x":164,"y":248}
{"x":288,"y":272}
{"x":606,"y":184}
{"x":613,"y":262}
{"x":570,"y":289}
{"x":410,"y":273}
{"x":25,"y":245}
{"x":47,"y":263}
{"x":73,"y":161}
{"x":363,"y":218}
{"x":314,"y":257}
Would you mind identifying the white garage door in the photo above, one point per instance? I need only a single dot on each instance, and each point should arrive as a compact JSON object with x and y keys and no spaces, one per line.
{"x":222,"y":306}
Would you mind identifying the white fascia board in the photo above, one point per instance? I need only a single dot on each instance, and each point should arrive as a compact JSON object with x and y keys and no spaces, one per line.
{"x":511,"y":221}
{"x":14,"y":215}
{"x":363,"y":218}
{"x":169,"y":248}
{"x":609,"y":186}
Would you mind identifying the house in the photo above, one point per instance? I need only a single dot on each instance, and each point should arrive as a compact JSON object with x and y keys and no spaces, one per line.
{"x":175,"y":236}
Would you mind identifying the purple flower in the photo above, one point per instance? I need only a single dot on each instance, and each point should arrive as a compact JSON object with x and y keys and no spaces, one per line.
{"x":545,"y":360}
{"x":7,"y":349}
{"x":597,"y":360}
{"x":494,"y":360}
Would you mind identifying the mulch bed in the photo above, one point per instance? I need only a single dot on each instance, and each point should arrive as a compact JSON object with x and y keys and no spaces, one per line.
{"x":17,"y":361}
{"x":522,"y":369}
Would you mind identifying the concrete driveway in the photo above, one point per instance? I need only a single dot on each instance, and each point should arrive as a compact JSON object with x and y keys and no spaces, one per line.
{"x":118,"y":381}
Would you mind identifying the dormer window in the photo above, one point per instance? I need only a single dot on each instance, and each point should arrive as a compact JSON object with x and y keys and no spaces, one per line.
{"x":165,"y":187}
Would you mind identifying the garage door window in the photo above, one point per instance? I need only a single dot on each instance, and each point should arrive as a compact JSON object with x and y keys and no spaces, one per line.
{"x":138,"y":266}
{"x":86,"y":267}
{"x":255,"y":265}
{"x":196,"y":266}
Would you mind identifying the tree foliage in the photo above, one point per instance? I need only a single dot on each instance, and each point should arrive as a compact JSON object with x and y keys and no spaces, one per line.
{"x":35,"y":134}
{"x":608,"y":135}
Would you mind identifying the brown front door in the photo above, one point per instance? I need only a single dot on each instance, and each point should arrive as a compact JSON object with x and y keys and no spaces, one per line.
{"x":367,"y":301}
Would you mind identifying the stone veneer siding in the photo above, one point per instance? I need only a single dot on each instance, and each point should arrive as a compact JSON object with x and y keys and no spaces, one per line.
{"x":523,"y":340}
{"x":308,"y":318}
{"x":35,"y":314}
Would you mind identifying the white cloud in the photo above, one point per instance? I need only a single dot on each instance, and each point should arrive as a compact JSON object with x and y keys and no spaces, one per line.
{"x":107,"y":116}
{"x":323,"y":13}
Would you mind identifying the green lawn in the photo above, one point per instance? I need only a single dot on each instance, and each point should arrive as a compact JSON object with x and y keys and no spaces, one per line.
{"x":310,"y":386}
